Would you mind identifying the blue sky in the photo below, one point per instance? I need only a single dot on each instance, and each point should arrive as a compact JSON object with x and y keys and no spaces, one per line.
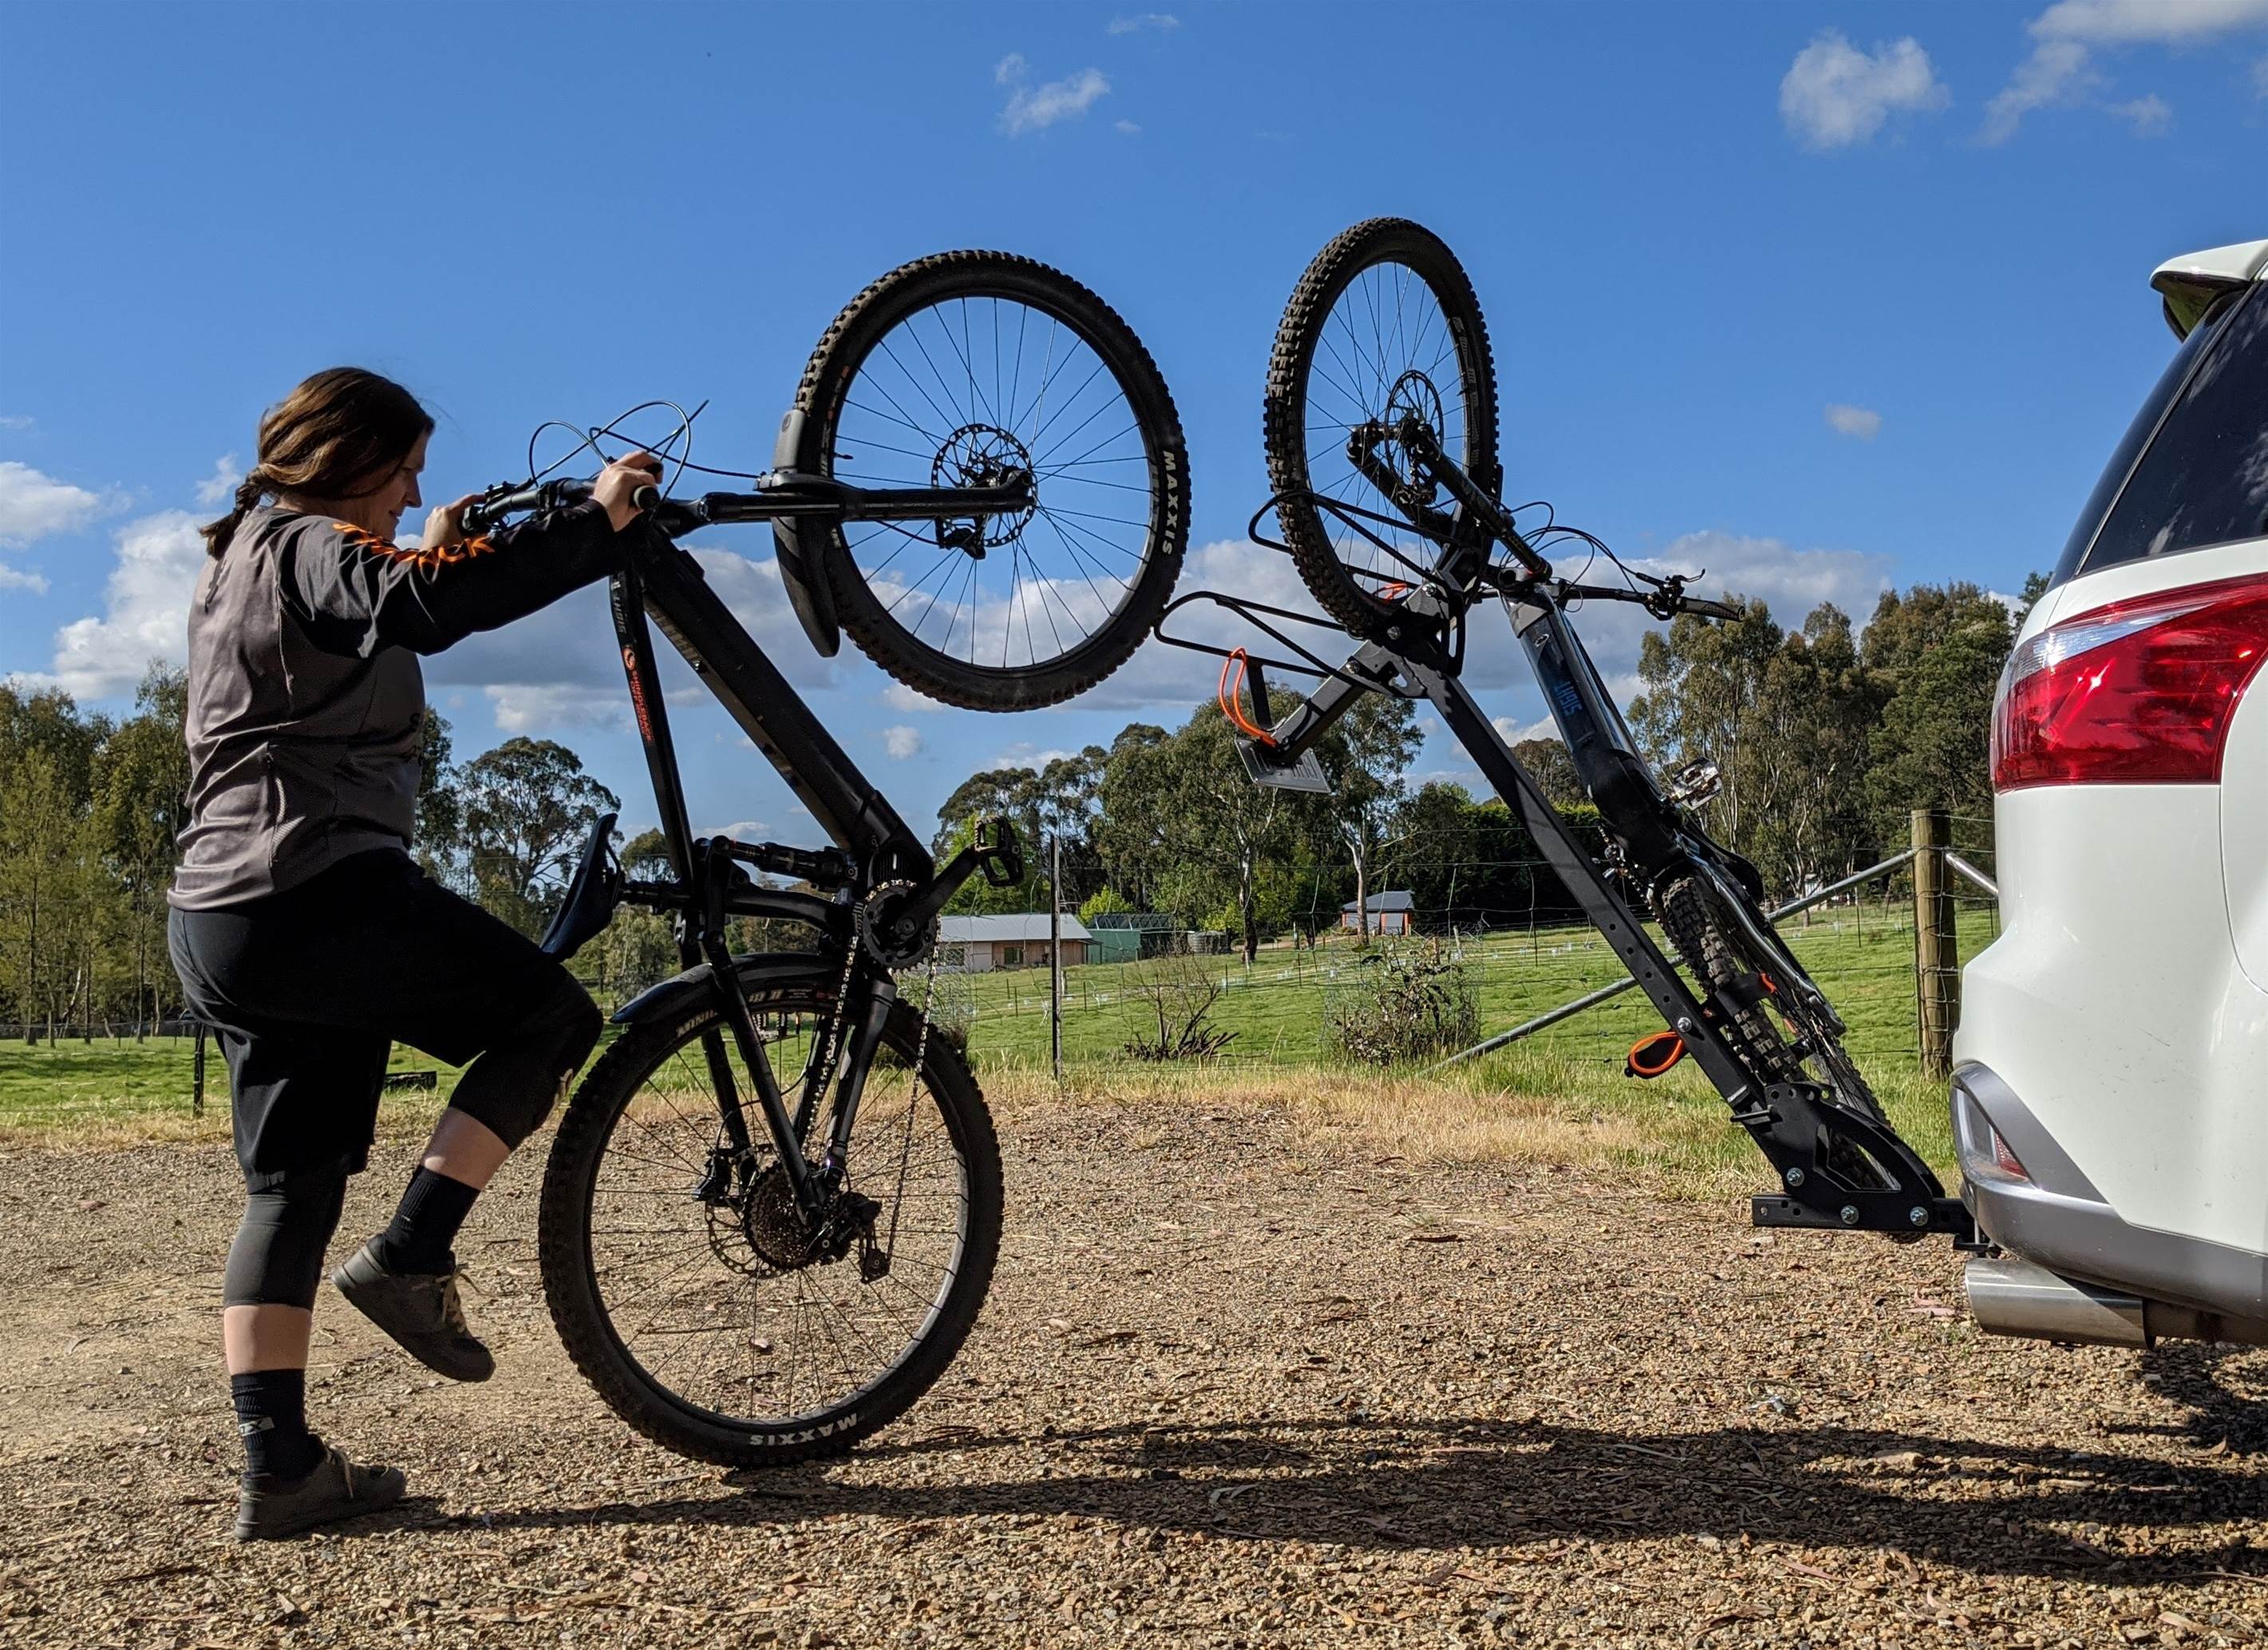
{"x":1696,"y":231}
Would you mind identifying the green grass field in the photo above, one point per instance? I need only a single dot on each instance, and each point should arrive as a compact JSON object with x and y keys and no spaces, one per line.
{"x":1276,"y":1007}
{"x":1567,"y":1081}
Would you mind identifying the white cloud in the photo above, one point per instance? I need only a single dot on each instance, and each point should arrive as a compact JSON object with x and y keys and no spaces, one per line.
{"x":1512,"y":732}
{"x":560,"y":669}
{"x":2151,"y":114}
{"x":1034,"y":109}
{"x":32,"y":505}
{"x":2056,"y":72}
{"x":2061,"y":69}
{"x":16,"y":422}
{"x":1010,"y":69}
{"x":146,"y":610}
{"x":898,"y":697}
{"x":2168,"y":22}
{"x":1862,"y":421}
{"x":1128,"y":127}
{"x":539,"y":708}
{"x":1024,"y":754}
{"x":901,"y":742}
{"x":1793,"y":581}
{"x":225,"y":479}
{"x":17,"y":579}
{"x":743,"y":830}
{"x":1171,"y":680}
{"x":1834,"y":94}
{"x":1161,"y":21}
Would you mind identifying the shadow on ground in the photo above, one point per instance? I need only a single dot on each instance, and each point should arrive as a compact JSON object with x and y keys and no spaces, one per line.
{"x":1986,"y":1507}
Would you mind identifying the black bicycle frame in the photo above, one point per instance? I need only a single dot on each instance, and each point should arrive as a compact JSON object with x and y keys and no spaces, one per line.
{"x":874,"y":847}
{"x":1795,"y":1124}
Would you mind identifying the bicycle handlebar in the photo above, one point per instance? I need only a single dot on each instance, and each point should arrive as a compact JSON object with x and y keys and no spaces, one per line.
{"x":1663,"y":602}
{"x":501,"y":501}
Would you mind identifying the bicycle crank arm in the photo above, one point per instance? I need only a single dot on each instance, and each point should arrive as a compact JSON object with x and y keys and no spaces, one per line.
{"x":993,"y":850}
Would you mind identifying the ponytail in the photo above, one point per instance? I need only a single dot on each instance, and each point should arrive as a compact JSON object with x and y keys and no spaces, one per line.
{"x":338,"y":435}
{"x":219,"y":533}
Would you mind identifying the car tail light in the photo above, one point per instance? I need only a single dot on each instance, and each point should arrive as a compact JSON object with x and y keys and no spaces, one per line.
{"x":2140,"y":692}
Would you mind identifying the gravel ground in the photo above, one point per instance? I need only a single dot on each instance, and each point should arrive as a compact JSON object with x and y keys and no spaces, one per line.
{"x":1238,"y":1385}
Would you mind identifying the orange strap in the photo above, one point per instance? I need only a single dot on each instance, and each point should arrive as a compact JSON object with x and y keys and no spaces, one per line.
{"x":1676,"y":1053}
{"x":1236,"y":663}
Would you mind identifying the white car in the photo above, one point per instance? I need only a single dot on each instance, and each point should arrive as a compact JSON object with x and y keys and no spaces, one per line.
{"x":2111,"y":1091}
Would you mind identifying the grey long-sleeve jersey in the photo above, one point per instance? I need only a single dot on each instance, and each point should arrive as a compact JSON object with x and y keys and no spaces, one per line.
{"x":306,"y":705}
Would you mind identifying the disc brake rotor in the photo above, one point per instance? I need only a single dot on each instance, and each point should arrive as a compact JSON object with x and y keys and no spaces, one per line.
{"x":1413,"y":396}
{"x":982,"y":455}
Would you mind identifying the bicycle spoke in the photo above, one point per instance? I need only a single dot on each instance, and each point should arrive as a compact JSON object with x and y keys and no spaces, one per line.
{"x":700,"y":1312}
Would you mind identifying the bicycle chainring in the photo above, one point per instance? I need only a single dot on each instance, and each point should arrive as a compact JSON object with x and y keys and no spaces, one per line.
{"x":885,"y":933}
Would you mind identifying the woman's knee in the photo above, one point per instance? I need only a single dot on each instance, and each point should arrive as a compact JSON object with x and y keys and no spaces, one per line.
{"x":278,"y":1257}
{"x":512,"y":1088}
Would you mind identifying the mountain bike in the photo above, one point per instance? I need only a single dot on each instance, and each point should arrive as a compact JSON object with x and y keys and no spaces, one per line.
{"x":1381,"y":440}
{"x":773,"y":1206}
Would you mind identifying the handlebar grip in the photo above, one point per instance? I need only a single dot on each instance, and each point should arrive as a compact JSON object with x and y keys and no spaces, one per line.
{"x":646,"y":498}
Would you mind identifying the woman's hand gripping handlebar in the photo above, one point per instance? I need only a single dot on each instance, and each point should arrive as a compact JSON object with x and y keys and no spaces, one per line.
{"x":627,"y":487}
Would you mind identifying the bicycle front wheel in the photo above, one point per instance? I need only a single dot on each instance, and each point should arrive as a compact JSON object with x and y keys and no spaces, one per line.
{"x":694,"y":1304}
{"x":1383,"y":324}
{"x":965,"y":370}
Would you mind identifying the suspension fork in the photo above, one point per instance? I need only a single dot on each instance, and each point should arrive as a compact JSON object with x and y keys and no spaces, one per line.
{"x":714,"y":871}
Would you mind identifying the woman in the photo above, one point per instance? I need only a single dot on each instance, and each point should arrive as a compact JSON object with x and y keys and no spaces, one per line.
{"x":305,"y":935}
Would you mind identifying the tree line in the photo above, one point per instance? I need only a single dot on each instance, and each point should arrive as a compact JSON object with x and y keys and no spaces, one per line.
{"x":92,"y":807}
{"x":1825,"y":737}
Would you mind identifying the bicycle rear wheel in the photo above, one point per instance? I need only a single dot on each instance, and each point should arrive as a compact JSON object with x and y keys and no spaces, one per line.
{"x":962,"y":369}
{"x":694,"y":1308}
{"x":1787,"y":1041}
{"x":1383,"y":323}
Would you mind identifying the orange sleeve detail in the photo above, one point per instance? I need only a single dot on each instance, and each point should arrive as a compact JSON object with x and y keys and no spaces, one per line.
{"x":441,"y":555}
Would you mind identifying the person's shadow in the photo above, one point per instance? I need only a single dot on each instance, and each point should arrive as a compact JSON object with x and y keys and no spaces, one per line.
{"x":1451,"y":1484}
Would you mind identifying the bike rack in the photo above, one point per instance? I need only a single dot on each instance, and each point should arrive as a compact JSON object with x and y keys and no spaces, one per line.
{"x":1796,"y":1125}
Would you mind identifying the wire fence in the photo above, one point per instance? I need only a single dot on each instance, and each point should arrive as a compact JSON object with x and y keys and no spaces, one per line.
{"x":1143,"y":988}
{"x":1287,"y":1004}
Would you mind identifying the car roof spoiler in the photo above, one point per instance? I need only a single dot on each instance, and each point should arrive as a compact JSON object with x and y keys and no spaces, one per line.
{"x":2189,"y":284}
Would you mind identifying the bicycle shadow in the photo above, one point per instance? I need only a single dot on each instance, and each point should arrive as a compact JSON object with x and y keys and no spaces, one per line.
{"x":1457,"y":1484}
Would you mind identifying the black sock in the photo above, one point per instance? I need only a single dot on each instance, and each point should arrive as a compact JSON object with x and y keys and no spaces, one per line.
{"x":426,"y":1224}
{"x":271,"y":1417}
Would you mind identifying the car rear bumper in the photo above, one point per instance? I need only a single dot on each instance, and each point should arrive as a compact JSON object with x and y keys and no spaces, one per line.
{"x":2054,"y":1217}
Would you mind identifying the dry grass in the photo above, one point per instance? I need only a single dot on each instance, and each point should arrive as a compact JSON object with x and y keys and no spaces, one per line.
{"x":122,"y":1128}
{"x":1526,"y":1106}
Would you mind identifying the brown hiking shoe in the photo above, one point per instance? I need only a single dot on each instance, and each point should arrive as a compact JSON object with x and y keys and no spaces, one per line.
{"x":268,"y":1508}
{"x":421,"y":1311}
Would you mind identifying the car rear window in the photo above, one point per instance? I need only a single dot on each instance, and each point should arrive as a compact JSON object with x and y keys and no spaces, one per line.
{"x":2193,"y":468}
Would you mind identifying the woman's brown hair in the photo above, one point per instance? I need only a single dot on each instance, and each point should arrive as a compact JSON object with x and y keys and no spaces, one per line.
{"x":339,"y":435}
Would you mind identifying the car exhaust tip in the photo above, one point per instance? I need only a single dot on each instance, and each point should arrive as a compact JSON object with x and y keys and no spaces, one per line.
{"x":2013,"y":1297}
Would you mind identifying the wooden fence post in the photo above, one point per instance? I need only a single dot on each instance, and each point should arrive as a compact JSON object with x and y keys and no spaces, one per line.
{"x":1937,"y":959}
{"x":1054,"y":957}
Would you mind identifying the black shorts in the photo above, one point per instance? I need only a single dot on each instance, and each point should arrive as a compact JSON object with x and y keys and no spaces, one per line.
{"x":306,"y":989}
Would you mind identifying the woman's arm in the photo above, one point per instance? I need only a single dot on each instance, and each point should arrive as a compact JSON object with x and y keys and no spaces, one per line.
{"x":355,"y":593}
